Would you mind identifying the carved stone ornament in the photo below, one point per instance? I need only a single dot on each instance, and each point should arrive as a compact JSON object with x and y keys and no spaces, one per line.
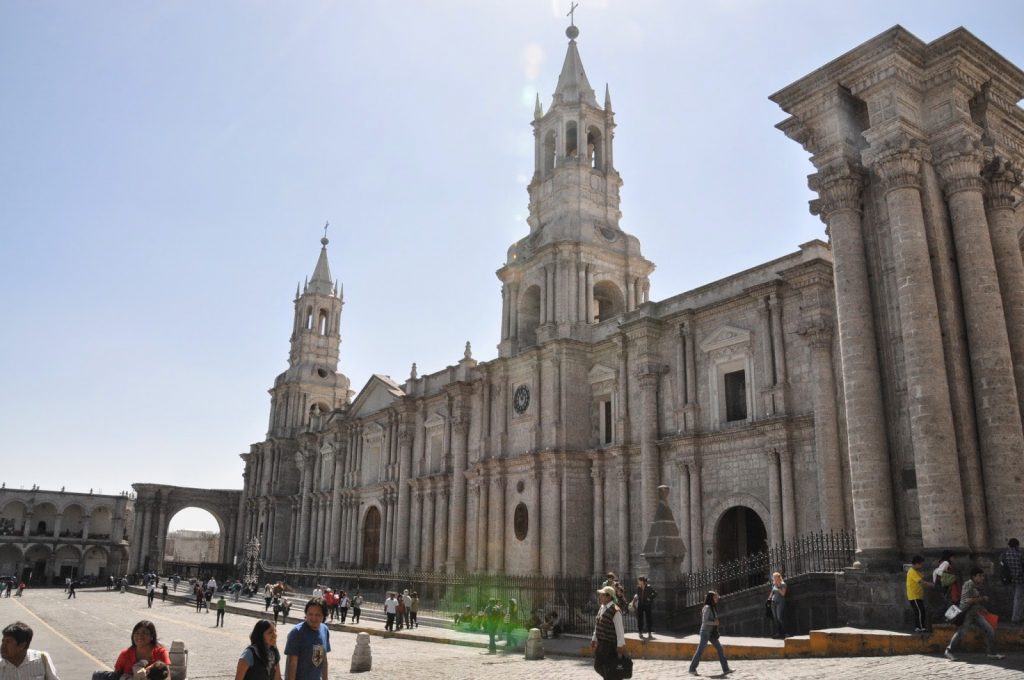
{"x":1001,"y":179}
{"x":839,"y":187}
{"x":898,"y":164}
{"x":959,"y":165}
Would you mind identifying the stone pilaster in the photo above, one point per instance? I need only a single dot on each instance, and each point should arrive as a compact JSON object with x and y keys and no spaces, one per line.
{"x":650,"y":466}
{"x":788,"y":490}
{"x":623,"y":505}
{"x":457,"y":524}
{"x":483,"y":521}
{"x":534,"y":534}
{"x":441,"y":500}
{"x":597,"y":475}
{"x":499,"y":521}
{"x":839,"y":187}
{"x":684,"y":512}
{"x":774,"y":497}
{"x":829,"y":466}
{"x":992,"y":371}
{"x":305,"y":487}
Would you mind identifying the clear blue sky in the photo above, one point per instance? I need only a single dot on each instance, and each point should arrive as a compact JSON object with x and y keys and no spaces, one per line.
{"x":166,"y":167}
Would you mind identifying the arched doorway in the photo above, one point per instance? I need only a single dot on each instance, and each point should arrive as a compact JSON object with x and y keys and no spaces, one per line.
{"x":192,"y":546}
{"x":371,"y":538}
{"x":740,"y":534}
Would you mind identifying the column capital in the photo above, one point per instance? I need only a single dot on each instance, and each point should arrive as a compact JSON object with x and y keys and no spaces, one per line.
{"x":818,"y":333}
{"x":959,"y":164}
{"x":839,"y":186}
{"x":1001,"y":179}
{"x":897,"y":162}
{"x":772,"y":455}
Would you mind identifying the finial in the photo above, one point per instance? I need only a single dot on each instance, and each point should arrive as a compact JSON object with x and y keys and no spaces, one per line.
{"x":607,"y":98}
{"x":572,"y":32}
{"x":468,"y":354}
{"x":538,"y":110}
{"x":296,"y":289}
{"x":324,"y":240}
{"x":412,"y":373}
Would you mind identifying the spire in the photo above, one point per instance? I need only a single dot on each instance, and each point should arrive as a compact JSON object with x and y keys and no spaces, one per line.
{"x":321,"y":281}
{"x":607,"y":98}
{"x":573,"y":85}
{"x":538,"y":110}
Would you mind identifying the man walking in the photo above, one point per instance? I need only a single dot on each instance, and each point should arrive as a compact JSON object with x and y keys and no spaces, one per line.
{"x":71,"y":590}
{"x":1013,"y":575}
{"x":18,"y":661}
{"x":971,"y":601}
{"x":308,"y":644}
{"x":151,"y":593}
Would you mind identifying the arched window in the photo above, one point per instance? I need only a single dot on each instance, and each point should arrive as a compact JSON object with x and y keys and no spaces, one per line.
{"x":309,"y":318}
{"x":548,"y":159}
{"x":570,"y":139}
{"x":322,"y":324}
{"x":529,"y":316}
{"x":608,"y":301}
{"x":595,"y":150}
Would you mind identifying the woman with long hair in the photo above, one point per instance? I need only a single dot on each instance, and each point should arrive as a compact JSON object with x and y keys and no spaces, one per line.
{"x":144,"y":653}
{"x":709,"y":633}
{"x":260,"y":660}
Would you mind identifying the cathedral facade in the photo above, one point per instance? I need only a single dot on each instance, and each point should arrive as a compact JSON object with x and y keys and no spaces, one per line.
{"x":790,"y":398}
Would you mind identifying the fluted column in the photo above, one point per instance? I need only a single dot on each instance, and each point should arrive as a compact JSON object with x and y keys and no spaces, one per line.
{"x":457,"y":510}
{"x":334,"y":545}
{"x":774,"y":497}
{"x":533,"y":535}
{"x":497,"y":560}
{"x":623,"y":505}
{"x":839,"y":187}
{"x":385,"y":530}
{"x":304,"y":517}
{"x":597,"y":475}
{"x":427,"y":542}
{"x":696,"y":518}
{"x":405,"y":439}
{"x":147,"y":520}
{"x":650,"y":468}
{"x":691,"y":376}
{"x":831,"y":505}
{"x":415,"y":529}
{"x":1000,"y":432}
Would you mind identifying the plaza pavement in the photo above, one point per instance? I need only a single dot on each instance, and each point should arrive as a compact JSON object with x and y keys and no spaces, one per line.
{"x":86,"y":634}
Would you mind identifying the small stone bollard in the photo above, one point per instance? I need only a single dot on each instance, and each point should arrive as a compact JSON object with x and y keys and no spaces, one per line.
{"x":534,"y":645}
{"x":361,"y":658}
{"x":179,"y":661}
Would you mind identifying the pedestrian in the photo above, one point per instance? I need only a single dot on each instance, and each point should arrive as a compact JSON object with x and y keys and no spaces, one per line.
{"x":164,"y":591}
{"x":492,"y":621}
{"x":67,"y":584}
{"x":777,"y":597}
{"x":286,"y":606}
{"x":400,"y":611}
{"x":110,"y":582}
{"x":944,"y":578}
{"x":18,"y":661}
{"x":407,"y":602}
{"x":268,"y":595}
{"x":511,"y":618}
{"x":21,"y":589}
{"x":357,"y":606}
{"x":1013,"y":575}
{"x":200,"y":597}
{"x":710,"y":632}
{"x":277,"y":609}
{"x":609,"y":639}
{"x":915,"y":593}
{"x":308,"y":644}
{"x":144,"y":652}
{"x":343,"y":604}
{"x":390,"y":610}
{"x":151,"y":593}
{"x":177,"y":580}
{"x":71,"y":590}
{"x":222,"y":607}
{"x":260,"y":660}
{"x":332,"y":602}
{"x":971,"y":601}
{"x":643,"y":602}
{"x":415,"y":607}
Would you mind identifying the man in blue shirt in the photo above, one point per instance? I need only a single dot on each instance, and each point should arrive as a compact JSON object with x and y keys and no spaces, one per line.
{"x":308,"y":644}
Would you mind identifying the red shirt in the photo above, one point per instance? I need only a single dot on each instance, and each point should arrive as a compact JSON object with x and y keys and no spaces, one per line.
{"x":126,"y":659}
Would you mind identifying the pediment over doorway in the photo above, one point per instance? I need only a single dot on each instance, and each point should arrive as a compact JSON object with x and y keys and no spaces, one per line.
{"x":726,"y":336}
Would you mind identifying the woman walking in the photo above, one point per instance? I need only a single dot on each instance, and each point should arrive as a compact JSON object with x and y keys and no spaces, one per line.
{"x":778,"y":600}
{"x":709,"y":633}
{"x":260,"y":660}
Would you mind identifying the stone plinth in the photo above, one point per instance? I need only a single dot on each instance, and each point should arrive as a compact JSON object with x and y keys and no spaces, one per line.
{"x":664,"y":552}
{"x":361,"y":657}
{"x":179,"y":661}
{"x":534,"y":645}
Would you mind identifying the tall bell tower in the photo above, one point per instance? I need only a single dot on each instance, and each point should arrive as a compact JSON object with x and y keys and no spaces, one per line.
{"x":576,"y":268}
{"x":312,"y":383}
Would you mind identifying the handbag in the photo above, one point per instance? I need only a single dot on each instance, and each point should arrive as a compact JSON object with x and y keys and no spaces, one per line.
{"x":953,"y":612}
{"x":768,"y":610}
{"x":623,"y":667}
{"x":993,"y":619}
{"x":714,"y":634}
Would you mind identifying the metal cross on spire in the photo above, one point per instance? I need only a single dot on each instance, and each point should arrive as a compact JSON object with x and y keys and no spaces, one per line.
{"x":326,"y":224}
{"x":572,"y":10}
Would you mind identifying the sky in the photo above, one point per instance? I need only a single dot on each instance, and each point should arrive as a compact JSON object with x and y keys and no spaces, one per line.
{"x":166,"y":169}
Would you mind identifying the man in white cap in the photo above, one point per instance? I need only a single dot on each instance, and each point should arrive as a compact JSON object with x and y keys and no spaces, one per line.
{"x":609,"y":638}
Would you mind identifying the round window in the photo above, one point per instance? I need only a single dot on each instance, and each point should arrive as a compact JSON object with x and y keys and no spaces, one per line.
{"x":520,"y":485}
{"x":521,"y":521}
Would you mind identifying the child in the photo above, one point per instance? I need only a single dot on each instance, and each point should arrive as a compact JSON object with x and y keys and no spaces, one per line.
{"x":915,"y":592}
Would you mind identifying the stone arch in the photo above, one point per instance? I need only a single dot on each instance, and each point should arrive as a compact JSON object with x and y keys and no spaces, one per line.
{"x":718,"y":511}
{"x":529,"y":316}
{"x":95,"y":561}
{"x":571,"y":139}
{"x":549,"y":152}
{"x":12,"y":518}
{"x":72,"y":520}
{"x":66,"y":562}
{"x":44,"y":517}
{"x":608,"y":301}
{"x":10,"y":559}
{"x":101,"y":522}
{"x":595,"y":148}
{"x":35,"y":563}
{"x":371,"y":529}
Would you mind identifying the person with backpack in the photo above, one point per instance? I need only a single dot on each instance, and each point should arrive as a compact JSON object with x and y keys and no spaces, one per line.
{"x":260,"y":660}
{"x":609,"y":639}
{"x":1012,"y":573}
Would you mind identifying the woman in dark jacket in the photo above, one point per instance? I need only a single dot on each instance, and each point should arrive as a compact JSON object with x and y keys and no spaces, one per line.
{"x":709,"y":633}
{"x":260,"y":660}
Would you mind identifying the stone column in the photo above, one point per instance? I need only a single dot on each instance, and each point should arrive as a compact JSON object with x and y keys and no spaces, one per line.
{"x":482,"y":522}
{"x":623,"y":504}
{"x":767,"y":361}
{"x":534,"y":533}
{"x":788,"y":495}
{"x":839,"y":187}
{"x":457,"y":524}
{"x":385,"y":531}
{"x":691,"y":377}
{"x":505,"y":310}
{"x":440,"y":528}
{"x":161,"y":527}
{"x":779,"y":349}
{"x":405,"y":438}
{"x":831,"y":503}
{"x":497,"y":560}
{"x":684,"y":513}
{"x":427,"y":543}
{"x":335,"y":527}
{"x":622,"y":394}
{"x":147,"y":518}
{"x":597,"y":475}
{"x":590,"y":294}
{"x":514,"y":313}
{"x":650,"y":467}
{"x":696,"y":518}
{"x":416,"y":529}
{"x":551,"y":530}
{"x":304,"y":516}
{"x":992,"y":371}
{"x":774,"y":497}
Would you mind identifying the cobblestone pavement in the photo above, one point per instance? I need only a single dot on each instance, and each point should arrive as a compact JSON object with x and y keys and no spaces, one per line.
{"x":86,"y":633}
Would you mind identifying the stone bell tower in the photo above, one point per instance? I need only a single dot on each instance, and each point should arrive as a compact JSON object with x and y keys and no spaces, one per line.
{"x":312,"y":383}
{"x":576,"y":268}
